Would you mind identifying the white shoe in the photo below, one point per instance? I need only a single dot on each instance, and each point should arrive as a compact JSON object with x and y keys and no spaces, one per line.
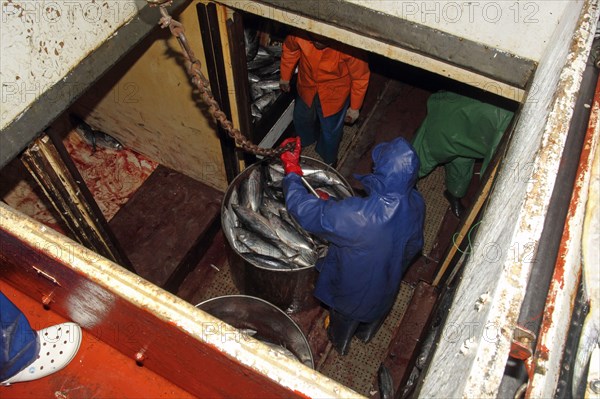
{"x":58,"y":346}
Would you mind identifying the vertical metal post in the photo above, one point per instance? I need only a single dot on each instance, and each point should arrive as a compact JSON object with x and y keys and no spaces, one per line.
{"x":58,"y":177}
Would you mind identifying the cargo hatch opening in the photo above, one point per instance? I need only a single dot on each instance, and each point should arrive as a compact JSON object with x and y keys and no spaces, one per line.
{"x":184,"y":164}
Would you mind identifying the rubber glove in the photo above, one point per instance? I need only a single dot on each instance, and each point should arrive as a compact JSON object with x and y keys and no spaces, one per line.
{"x":284,"y":85}
{"x":322,"y":194}
{"x":351,"y":115}
{"x":291,"y":159}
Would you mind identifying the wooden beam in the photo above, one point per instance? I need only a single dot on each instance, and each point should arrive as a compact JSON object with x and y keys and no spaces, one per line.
{"x":66,"y":190}
{"x":194,"y":255}
{"x":213,"y":48}
{"x":466,"y":225}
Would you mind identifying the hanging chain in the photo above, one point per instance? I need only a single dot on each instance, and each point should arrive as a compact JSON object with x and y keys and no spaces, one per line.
{"x":193,"y":68}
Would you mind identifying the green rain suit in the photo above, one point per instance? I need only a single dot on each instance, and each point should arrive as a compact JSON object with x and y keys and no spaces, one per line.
{"x":457,"y":131}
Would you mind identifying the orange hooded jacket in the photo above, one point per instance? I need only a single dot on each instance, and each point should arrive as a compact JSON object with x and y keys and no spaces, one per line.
{"x":331,"y":73}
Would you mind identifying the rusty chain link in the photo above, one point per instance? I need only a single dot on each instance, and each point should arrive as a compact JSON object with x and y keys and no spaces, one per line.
{"x":193,"y":66}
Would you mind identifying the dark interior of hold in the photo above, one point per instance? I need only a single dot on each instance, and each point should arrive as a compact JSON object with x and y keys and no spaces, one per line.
{"x":170,"y":227}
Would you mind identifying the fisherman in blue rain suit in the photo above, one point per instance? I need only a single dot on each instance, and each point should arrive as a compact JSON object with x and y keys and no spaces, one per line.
{"x":372,"y":239}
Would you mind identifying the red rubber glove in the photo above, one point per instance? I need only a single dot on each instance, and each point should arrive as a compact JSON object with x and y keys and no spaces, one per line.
{"x":322,"y":194}
{"x":291,"y":159}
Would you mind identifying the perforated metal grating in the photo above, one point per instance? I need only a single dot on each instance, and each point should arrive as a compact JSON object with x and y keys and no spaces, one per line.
{"x":432,"y":190}
{"x":347,"y":139}
{"x":221,"y":285}
{"x":358,"y":369}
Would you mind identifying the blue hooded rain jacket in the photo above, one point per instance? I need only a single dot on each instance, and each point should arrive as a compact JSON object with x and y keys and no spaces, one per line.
{"x":372,"y":239}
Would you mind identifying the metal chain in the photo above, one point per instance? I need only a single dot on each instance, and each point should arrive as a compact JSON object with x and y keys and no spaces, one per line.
{"x":193,"y":68}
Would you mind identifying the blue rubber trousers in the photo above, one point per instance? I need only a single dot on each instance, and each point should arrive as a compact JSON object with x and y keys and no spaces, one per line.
{"x":19,"y":344}
{"x":311,"y":126}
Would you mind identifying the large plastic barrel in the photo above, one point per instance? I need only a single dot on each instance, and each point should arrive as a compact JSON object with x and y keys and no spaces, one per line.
{"x":290,"y":290}
{"x":267,"y":323}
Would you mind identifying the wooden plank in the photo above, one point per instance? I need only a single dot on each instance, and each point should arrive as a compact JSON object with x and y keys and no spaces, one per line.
{"x":199,"y":248}
{"x":208,"y":17}
{"x":466,"y":225}
{"x":546,"y":363}
{"x":239,"y":69}
{"x":160,"y":225}
{"x":360,"y":40}
{"x":68,"y":194}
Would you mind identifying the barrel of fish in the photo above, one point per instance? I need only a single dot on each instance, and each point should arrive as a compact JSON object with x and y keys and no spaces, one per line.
{"x":269,"y":260}
{"x":261,"y":320}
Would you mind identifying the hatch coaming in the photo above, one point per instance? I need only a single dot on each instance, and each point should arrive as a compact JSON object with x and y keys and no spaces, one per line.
{"x":185,"y":345}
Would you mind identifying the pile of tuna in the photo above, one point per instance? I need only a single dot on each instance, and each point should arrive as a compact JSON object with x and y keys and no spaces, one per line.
{"x":258,"y":225}
{"x":263,"y":73}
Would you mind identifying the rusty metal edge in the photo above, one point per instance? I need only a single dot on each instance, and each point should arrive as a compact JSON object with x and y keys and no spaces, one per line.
{"x":567,"y":273}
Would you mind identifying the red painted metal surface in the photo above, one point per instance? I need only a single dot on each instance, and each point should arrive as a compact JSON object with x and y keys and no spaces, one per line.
{"x":97,"y":370}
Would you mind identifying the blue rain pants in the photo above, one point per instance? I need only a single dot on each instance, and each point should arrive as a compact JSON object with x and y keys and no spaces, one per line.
{"x":19,"y":345}
{"x":311,"y":126}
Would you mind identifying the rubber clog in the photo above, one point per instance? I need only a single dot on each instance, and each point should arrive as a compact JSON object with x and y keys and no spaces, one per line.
{"x":58,"y":346}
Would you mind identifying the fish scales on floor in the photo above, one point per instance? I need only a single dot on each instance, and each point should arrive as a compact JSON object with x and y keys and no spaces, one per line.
{"x":263,"y":64}
{"x":258,"y":225}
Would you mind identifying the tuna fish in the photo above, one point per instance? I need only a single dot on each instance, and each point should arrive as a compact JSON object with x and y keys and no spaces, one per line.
{"x":279,"y":350}
{"x":270,"y":262}
{"x":252,"y":78}
{"x":288,"y":234}
{"x":256,"y":93}
{"x":251,"y":43}
{"x":271,"y":85}
{"x":275,"y":51}
{"x":260,"y":61}
{"x":257,"y":245}
{"x":264,"y":101}
{"x":251,"y":191}
{"x":269,"y":70}
{"x":259,"y":227}
{"x":386,"y":384}
{"x":95,"y":138}
{"x":271,"y":206}
{"x":255,"y":222}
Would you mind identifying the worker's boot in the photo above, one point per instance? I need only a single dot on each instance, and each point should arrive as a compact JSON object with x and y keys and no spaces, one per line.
{"x":340,"y":332}
{"x":366,"y":331}
{"x":456,"y":205}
